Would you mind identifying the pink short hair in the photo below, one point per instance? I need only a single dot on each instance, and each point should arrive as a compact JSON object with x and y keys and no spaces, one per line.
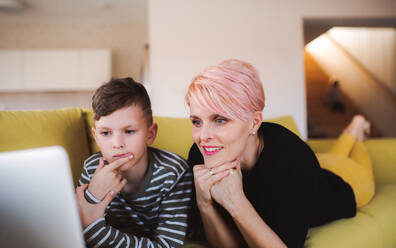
{"x":232,"y":89}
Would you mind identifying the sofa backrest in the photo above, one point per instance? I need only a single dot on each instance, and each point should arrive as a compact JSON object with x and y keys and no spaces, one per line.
{"x":174,"y":134}
{"x":71,"y":129}
{"x":31,"y":129}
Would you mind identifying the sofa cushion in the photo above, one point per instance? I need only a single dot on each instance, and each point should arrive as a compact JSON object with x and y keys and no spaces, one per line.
{"x":383,"y":209}
{"x":360,"y":231}
{"x":383,"y":156}
{"x":286,"y":121}
{"x":30,"y":129}
{"x":321,"y":145}
{"x":89,"y":123}
{"x":174,"y":135}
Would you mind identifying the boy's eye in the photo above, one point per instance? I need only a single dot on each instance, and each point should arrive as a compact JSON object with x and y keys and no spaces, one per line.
{"x":105,"y":133}
{"x":129,"y":131}
{"x":196,"y":123}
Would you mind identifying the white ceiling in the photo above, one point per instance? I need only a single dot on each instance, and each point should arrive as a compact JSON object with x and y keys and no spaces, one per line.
{"x":76,"y":11}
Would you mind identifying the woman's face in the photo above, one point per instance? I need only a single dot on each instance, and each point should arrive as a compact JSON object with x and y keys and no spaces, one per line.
{"x":218,"y":138}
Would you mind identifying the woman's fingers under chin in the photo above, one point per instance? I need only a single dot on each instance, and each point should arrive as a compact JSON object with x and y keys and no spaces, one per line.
{"x":225,"y":167}
{"x":218,"y":177}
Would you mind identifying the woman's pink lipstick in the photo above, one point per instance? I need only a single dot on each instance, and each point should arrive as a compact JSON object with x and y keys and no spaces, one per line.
{"x":211,"y":150}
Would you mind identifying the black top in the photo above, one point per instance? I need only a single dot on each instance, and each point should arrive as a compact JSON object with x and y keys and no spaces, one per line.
{"x":287,"y":187}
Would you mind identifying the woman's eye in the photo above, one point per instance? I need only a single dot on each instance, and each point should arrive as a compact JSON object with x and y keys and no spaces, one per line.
{"x":196,"y":122}
{"x":221,"y":121}
{"x":129,"y":131}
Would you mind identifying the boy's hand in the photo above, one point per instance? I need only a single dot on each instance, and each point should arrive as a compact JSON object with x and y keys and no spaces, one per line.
{"x":91,"y":212}
{"x":107,"y":178}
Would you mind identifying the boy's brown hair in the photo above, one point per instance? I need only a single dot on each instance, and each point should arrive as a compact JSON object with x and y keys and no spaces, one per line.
{"x":119,"y":93}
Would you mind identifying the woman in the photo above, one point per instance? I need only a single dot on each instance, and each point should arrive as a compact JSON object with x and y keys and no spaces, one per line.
{"x":258,"y":184}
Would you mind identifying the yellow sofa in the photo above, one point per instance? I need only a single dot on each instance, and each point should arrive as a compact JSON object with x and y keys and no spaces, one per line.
{"x":373,"y":226}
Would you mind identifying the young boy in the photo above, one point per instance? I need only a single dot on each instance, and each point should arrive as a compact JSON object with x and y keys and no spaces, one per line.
{"x":129,"y":194}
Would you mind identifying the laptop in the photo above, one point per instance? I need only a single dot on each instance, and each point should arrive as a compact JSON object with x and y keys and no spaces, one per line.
{"x":37,"y":200}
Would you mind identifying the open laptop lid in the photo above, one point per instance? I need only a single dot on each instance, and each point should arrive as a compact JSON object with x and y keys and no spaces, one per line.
{"x":37,"y":200}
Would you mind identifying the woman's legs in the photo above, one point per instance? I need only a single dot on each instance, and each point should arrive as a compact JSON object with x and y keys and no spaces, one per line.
{"x":366,"y":185}
{"x":349,"y":159}
{"x":360,"y":155}
{"x":356,"y":131}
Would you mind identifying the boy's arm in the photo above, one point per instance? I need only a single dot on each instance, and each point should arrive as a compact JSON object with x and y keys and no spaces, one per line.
{"x":89,"y":168}
{"x":90,"y":165}
{"x":101,"y":179}
{"x":84,"y":178}
{"x":170,"y":231}
{"x":174,"y":211}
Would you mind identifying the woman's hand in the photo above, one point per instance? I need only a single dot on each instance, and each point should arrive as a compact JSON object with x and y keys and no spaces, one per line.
{"x":228,"y":192}
{"x":205,"y":178}
{"x":107,"y":178}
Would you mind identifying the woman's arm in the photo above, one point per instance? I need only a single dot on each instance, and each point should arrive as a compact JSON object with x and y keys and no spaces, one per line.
{"x":254,"y":230}
{"x":229,"y":193}
{"x":218,"y":232}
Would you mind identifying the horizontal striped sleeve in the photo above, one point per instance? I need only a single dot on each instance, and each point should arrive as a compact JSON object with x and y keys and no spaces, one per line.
{"x":158,"y":215}
{"x":98,"y":234}
{"x":90,"y":165}
{"x":174,"y":210}
{"x":90,"y":197}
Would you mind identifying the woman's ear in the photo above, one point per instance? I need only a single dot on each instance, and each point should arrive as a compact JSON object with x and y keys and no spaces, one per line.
{"x":257,"y":119}
{"x":152,"y":133}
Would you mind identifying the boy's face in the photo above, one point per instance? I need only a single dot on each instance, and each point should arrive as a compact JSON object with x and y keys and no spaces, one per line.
{"x":122,"y":133}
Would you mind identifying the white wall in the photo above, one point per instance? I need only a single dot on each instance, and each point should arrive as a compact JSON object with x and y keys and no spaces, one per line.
{"x":187,"y":36}
{"x":45,"y":100}
{"x":54,"y":69}
{"x":125,"y":40}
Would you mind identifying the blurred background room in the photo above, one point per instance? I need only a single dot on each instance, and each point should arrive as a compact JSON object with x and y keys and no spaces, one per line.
{"x":320,"y":61}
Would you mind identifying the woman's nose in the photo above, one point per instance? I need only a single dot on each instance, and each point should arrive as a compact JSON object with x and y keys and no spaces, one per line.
{"x":206,"y":132}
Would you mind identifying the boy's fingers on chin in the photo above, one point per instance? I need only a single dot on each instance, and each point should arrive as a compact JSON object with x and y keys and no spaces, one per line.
{"x":118,"y":163}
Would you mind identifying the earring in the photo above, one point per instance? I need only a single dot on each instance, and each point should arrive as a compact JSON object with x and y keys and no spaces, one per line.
{"x":253,"y":133}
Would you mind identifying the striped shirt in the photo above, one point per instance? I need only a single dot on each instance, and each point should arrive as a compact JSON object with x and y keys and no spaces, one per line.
{"x":155,"y":216}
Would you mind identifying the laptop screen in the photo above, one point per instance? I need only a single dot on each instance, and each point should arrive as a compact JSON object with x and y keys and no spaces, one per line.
{"x":38,"y":206}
